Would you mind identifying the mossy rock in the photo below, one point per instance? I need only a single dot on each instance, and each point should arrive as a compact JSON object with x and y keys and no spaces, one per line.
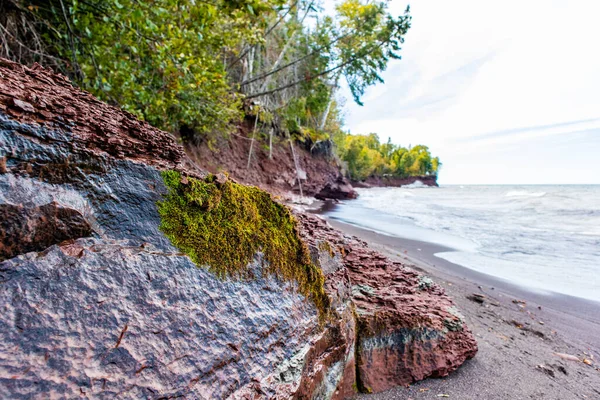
{"x":222,"y":225}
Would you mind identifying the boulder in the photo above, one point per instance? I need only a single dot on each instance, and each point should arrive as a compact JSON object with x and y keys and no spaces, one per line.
{"x":407,"y":328}
{"x":340,"y":189}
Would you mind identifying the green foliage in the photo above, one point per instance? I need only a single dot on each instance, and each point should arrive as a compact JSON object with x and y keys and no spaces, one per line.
{"x":223,"y":225}
{"x":370,"y":38}
{"x":190,"y":64}
{"x":299,"y":121}
{"x":300,"y":65}
{"x":365,"y":156}
{"x":161,"y":60}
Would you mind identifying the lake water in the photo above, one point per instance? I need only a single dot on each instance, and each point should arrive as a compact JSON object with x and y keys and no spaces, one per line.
{"x":542,"y":237}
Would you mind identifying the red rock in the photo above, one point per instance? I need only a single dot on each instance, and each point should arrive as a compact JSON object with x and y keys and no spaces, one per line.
{"x":90,"y":120}
{"x":24,"y":229}
{"x":407,"y":328}
{"x":23,"y":105}
{"x":394,"y":181}
{"x":340,"y":189}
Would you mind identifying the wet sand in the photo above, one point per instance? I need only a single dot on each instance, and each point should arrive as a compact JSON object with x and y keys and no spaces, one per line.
{"x":519,"y":332}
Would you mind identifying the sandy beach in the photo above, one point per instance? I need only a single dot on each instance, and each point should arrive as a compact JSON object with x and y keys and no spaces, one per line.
{"x":529,"y":341}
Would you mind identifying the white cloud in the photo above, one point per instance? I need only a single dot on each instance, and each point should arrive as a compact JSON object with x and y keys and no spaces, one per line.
{"x":472,"y":67}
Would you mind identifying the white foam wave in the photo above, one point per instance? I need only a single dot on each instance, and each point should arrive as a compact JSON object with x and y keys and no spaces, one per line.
{"x":415,"y":185}
{"x":529,"y":234}
{"x":597,"y":233}
{"x":524,"y":193}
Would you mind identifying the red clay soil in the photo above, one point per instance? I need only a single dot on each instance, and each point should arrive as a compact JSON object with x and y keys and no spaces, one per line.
{"x":320,"y":174}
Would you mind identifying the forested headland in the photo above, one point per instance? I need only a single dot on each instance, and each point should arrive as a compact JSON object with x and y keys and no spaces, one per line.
{"x":365,"y":155}
{"x":199,"y":68}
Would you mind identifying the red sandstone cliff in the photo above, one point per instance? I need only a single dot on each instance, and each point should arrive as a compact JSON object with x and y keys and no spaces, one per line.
{"x":98,"y":303}
{"x":314,"y":173}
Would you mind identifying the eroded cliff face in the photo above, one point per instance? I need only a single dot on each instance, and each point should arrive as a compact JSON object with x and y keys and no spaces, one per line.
{"x":97,"y":303}
{"x":316,"y":172}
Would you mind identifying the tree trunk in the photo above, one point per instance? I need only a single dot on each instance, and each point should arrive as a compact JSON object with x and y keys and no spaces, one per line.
{"x":271,"y":144}
{"x":296,"y":165}
{"x":285,"y":49}
{"x":252,"y":141}
{"x":331,"y":94}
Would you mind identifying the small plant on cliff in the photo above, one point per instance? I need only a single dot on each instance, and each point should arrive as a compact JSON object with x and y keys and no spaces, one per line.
{"x":222,"y":225}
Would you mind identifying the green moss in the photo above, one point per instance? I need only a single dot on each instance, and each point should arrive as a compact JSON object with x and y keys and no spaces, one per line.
{"x":221,"y":226}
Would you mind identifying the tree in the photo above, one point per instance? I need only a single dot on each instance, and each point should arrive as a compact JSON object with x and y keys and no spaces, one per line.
{"x":356,"y":44}
{"x":195,"y":66}
{"x":365,"y":156}
{"x":162,"y":60}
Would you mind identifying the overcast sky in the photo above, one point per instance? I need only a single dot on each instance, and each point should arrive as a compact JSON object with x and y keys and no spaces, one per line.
{"x":502,"y":92}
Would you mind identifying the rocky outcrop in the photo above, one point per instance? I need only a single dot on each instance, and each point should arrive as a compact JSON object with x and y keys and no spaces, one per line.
{"x":340,"y":189}
{"x":97,"y":303}
{"x":78,"y":121}
{"x":317,"y":172}
{"x":407,"y":329}
{"x":393,"y":181}
{"x":118,"y":312}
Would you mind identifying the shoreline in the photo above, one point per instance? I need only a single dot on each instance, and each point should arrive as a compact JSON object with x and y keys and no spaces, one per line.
{"x":426,"y":261}
{"x":518,"y":329}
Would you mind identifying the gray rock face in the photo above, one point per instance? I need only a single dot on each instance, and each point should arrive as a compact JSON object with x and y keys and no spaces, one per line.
{"x":107,"y":319}
{"x":122,"y":314}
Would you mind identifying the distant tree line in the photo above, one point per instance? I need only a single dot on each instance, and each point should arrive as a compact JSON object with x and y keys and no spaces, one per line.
{"x":365,"y":156}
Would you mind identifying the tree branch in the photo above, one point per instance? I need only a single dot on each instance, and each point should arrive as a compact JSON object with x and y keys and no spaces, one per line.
{"x":299,"y":81}
{"x":285,"y":47}
{"x":71,"y":36}
{"x":245,"y":52}
{"x":317,"y":50}
{"x":280,"y":19}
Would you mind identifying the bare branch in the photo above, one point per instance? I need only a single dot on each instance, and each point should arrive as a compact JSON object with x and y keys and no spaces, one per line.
{"x":281,"y":19}
{"x":285,"y":48}
{"x":299,"y":81}
{"x":317,"y":50}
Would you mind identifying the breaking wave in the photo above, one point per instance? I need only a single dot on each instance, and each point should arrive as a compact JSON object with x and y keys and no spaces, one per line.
{"x":541,"y":236}
{"x":524,"y":193}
